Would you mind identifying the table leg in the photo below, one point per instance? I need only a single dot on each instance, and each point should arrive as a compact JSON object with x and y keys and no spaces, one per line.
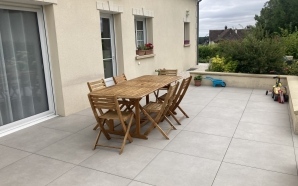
{"x":147,"y":99}
{"x":137,"y":133}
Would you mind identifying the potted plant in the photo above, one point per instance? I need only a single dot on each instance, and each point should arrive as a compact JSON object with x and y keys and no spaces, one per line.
{"x":149,"y":48}
{"x":146,"y":49}
{"x":198,"y":80}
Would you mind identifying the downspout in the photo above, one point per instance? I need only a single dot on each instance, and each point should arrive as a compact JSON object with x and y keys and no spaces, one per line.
{"x":198,"y":20}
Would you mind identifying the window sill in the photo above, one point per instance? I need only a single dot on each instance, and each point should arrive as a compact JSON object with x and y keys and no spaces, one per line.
{"x":187,"y":45}
{"x":145,"y":56}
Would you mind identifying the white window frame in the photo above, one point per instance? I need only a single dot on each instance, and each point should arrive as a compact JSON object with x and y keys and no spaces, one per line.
{"x":23,"y":123}
{"x":145,"y":30}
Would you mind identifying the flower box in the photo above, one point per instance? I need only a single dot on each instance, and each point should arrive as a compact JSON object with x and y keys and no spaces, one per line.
{"x":186,"y":42}
{"x":148,"y":52}
{"x":140,"y":52}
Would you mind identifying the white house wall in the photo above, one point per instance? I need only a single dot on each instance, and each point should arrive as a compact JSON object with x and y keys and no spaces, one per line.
{"x":75,"y":44}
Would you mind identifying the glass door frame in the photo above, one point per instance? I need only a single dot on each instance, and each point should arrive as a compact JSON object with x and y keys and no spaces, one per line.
{"x":112,"y":37}
{"x":47,"y":72}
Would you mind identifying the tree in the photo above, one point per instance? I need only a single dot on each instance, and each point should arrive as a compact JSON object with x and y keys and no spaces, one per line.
{"x":278,"y":14}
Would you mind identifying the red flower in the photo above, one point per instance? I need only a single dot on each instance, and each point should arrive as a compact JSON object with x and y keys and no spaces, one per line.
{"x":149,"y":46}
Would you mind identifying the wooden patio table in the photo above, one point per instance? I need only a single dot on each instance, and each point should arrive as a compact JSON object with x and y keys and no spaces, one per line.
{"x":135,"y":89}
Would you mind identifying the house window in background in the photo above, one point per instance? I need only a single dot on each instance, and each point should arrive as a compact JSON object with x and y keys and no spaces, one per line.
{"x":141,"y":33}
{"x":186,"y":33}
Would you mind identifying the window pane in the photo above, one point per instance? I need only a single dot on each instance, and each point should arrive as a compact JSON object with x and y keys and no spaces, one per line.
{"x":106,"y":48}
{"x":140,"y":35}
{"x":108,"y":68}
{"x":141,"y":43}
{"x":140,"y":25}
{"x":105,"y":28}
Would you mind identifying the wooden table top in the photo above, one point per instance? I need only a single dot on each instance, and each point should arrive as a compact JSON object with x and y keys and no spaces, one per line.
{"x":138,"y":87}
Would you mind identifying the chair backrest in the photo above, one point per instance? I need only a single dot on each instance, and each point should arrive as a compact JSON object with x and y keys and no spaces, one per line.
{"x":167,"y":102}
{"x":100,"y":103}
{"x":168,"y":72}
{"x":109,"y":82}
{"x":180,"y":93}
{"x":119,"y":79}
{"x":96,"y":85}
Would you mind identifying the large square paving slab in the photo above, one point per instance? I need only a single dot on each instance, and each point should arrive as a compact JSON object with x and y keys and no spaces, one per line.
{"x":170,"y":168}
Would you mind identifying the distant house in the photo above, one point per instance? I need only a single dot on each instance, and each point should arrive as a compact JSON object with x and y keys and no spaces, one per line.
{"x":227,"y":34}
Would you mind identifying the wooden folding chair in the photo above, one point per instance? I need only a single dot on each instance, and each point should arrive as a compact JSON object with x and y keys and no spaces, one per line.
{"x":96,"y":85}
{"x":178,"y":98}
{"x":119,"y":79}
{"x":98,"y":103}
{"x":165,"y":72}
{"x":127,"y":103}
{"x":160,"y":110}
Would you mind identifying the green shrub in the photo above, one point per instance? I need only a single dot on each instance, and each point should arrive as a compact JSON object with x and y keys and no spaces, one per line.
{"x":207,"y":51}
{"x":217,"y":64}
{"x":293,"y":69}
{"x":254,"y":55}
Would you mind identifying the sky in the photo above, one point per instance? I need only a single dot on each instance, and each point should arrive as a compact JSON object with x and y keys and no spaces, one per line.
{"x":216,"y":14}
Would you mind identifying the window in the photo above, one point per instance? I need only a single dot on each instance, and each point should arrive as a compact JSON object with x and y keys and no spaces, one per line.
{"x":186,"y":33}
{"x":140,"y":29}
{"x":25,"y":85}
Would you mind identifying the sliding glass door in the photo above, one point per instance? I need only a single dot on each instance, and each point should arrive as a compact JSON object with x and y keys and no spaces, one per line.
{"x":25,"y":86}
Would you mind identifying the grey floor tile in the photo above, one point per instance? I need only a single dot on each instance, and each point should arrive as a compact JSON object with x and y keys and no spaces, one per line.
{"x":206,"y":88}
{"x":156,"y":139}
{"x":270,"y":107}
{"x":238,"y":90}
{"x":264,"y":133}
{"x":190,"y":110}
{"x":181,"y":118}
{"x":197,"y":101}
{"x":262,"y":155}
{"x":84,"y":176}
{"x":33,"y":139}
{"x":33,"y":170}
{"x":72,"y":123}
{"x":10,"y":155}
{"x":259,"y":91}
{"x":133,"y":159}
{"x":263,"y":117}
{"x":85,"y":112}
{"x":235,"y":175}
{"x":233,"y":95}
{"x":228,"y":103}
{"x":261,"y":98}
{"x":221,"y":113}
{"x":73,"y":149}
{"x":195,"y":144}
{"x":212,"y":126}
{"x":89,"y":131}
{"x":202,"y":93}
{"x":169,"y":169}
{"x":136,"y":183}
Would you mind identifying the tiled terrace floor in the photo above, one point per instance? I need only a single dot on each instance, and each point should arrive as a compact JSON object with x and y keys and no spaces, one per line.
{"x":234,"y":137}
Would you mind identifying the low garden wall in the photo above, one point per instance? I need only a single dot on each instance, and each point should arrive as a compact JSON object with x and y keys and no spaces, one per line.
{"x":258,"y":81}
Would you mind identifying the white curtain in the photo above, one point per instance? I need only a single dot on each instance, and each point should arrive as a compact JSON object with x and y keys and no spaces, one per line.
{"x":22,"y":81}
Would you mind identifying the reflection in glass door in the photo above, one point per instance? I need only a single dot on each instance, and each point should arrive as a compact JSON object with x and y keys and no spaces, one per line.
{"x":108,"y":47}
{"x":24,"y":82}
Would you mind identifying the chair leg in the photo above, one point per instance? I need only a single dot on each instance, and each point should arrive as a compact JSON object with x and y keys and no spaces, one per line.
{"x":96,"y":127}
{"x":183,"y":111}
{"x":102,"y":129}
{"x":96,"y":142}
{"x":167,"y":119}
{"x":172,"y":114}
{"x":154,"y":124}
{"x":127,"y":135}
